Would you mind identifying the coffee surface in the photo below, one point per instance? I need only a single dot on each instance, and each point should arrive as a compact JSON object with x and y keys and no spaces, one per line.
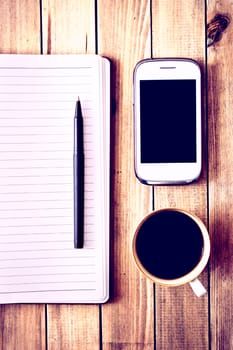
{"x":169,"y":244}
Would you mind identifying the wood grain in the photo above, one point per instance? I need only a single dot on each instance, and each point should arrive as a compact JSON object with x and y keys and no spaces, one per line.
{"x":69,"y":27}
{"x":124,"y":37}
{"x":220,"y":105}
{"x":20,"y":26}
{"x":22,"y":326}
{"x":181,"y":317}
{"x":72,"y":327}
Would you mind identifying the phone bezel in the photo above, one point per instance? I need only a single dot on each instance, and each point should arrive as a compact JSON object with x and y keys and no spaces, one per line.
{"x":166,"y":173}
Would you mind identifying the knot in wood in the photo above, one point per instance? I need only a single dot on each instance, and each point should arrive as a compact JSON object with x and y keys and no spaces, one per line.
{"x":216,"y":27}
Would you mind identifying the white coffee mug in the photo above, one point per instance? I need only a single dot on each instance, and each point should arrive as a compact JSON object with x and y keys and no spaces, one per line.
{"x":172,"y":247}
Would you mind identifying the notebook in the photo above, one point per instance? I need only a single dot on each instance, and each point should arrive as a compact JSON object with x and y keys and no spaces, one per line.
{"x":38,"y":262}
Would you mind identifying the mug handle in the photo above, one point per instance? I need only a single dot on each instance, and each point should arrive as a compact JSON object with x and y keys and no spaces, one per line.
{"x":197,"y":287}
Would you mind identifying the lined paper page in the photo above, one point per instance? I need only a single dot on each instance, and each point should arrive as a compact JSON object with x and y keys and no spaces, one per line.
{"x":38,"y":262}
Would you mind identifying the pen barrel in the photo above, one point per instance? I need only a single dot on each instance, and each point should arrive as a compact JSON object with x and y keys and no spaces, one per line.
{"x":78,"y":135}
{"x":78,"y":178}
{"x":78,"y":199}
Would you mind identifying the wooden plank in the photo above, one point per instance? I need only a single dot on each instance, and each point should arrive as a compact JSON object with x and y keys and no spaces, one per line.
{"x":20,"y":26}
{"x":22,"y":326}
{"x":181,"y":317}
{"x":124,"y":37}
{"x":69,"y":27}
{"x":220,"y":107}
{"x":72,"y":327}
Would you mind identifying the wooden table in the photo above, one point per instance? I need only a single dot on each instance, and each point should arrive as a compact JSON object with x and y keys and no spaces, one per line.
{"x":139,"y":314}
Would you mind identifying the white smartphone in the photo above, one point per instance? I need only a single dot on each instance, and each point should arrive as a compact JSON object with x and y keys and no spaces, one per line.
{"x":167,"y":119}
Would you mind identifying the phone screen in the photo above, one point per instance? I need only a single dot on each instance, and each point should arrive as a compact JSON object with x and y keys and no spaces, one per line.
{"x":168,"y":121}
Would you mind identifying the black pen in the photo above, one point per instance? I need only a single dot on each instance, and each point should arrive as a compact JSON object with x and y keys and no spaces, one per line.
{"x":78,"y":164}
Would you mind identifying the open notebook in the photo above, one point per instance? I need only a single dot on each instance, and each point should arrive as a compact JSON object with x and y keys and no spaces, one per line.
{"x":38,"y":262}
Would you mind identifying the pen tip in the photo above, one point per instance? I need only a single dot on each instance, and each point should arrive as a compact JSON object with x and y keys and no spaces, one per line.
{"x":78,"y":103}
{"x":78,"y":111}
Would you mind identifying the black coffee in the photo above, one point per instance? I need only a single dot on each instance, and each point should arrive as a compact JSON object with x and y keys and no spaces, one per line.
{"x":169,"y":244}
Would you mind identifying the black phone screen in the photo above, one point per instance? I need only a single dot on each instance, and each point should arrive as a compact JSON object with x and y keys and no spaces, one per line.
{"x":168,"y":121}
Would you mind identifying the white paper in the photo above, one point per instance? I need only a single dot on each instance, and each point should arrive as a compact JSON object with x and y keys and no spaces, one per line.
{"x":38,"y":262}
